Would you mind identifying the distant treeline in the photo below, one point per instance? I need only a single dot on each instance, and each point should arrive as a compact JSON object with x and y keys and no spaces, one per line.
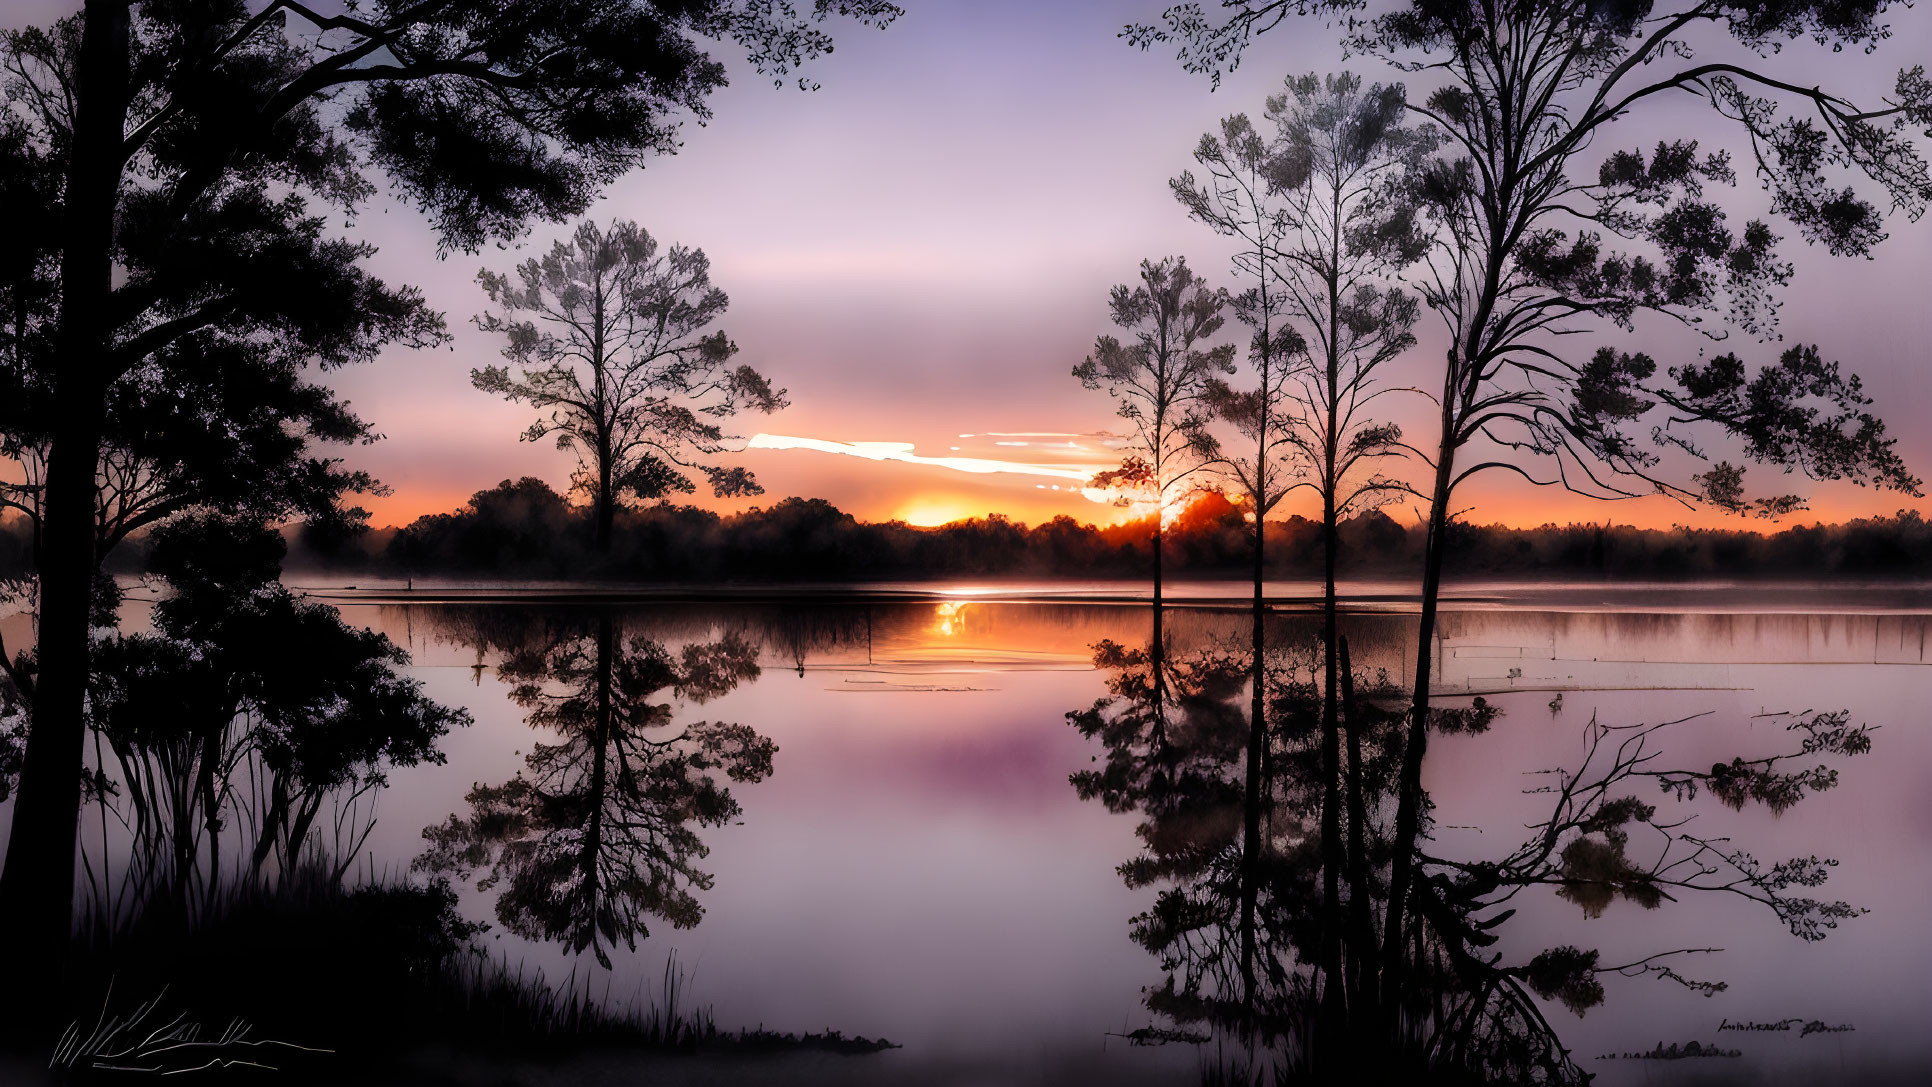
{"x":525,"y":528}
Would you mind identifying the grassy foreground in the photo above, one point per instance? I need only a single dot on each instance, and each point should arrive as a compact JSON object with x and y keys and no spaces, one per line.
{"x":319,"y":982}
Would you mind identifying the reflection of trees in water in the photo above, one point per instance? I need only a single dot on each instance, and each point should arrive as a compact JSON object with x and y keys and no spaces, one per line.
{"x":1321,"y":1006}
{"x":1178,"y":762}
{"x":832,"y":633}
{"x":600,"y":831}
{"x":798,"y":634}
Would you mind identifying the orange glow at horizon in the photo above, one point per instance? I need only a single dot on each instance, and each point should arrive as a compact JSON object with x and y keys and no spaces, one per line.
{"x":886,"y":481}
{"x":1026,"y":505}
{"x":931,"y":512}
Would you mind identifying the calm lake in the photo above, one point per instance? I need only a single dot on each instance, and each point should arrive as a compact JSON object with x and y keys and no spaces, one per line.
{"x":915,"y":864}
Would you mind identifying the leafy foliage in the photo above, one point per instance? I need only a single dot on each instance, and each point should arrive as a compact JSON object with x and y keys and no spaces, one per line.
{"x":1237,"y":197}
{"x":1534,"y":240}
{"x":607,"y":332}
{"x":1343,"y":167}
{"x":1160,"y":379}
{"x":245,"y":709}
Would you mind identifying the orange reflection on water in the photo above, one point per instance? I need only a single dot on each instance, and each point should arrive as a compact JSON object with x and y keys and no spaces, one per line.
{"x":949,"y":617}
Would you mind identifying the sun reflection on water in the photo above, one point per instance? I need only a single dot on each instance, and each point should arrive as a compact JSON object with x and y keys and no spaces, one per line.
{"x":949,"y":617}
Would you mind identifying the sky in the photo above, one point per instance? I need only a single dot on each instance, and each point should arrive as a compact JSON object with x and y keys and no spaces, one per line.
{"x":920,"y":252}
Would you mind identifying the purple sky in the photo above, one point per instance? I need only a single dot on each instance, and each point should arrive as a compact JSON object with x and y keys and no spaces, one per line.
{"x":921,"y":249}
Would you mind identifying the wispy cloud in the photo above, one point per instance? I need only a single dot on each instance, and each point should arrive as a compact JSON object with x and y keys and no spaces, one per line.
{"x":902,"y":452}
{"x":1098,"y":437}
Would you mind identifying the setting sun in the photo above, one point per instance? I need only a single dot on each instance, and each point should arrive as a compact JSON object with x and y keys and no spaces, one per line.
{"x":933,"y":512}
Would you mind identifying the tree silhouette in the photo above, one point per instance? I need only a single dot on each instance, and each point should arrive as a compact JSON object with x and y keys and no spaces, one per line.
{"x":193,"y":144}
{"x":1345,"y":161}
{"x":237,"y":719}
{"x":1522,"y":262}
{"x":1161,"y":382}
{"x":1238,"y":200}
{"x":209,"y":424}
{"x":608,"y":335}
{"x":601,"y":831}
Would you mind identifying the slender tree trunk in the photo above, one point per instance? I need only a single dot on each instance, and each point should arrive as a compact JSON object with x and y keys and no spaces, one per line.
{"x":1334,"y":988}
{"x":606,"y":510}
{"x":298,"y":834}
{"x":1158,"y":454}
{"x":184,"y":792}
{"x":271,"y":828}
{"x":1160,"y":631}
{"x":1257,"y":718}
{"x":1409,"y":798}
{"x":1362,"y":947}
{"x":37,"y":888}
{"x":211,"y":807}
{"x":1158,"y":645}
{"x":605,"y":502}
{"x":593,"y":843}
{"x":1461,"y":380}
{"x":1332,"y":857}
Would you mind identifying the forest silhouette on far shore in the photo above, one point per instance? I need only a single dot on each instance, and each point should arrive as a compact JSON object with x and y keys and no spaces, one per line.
{"x":525,"y":528}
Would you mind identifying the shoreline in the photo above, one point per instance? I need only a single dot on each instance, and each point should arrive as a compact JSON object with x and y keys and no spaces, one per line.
{"x":1368,"y":596}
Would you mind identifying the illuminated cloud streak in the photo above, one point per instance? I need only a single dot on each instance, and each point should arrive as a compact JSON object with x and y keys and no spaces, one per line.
{"x":902,"y":453}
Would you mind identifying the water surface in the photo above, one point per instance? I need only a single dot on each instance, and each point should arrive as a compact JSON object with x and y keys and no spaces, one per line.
{"x":916,"y":865}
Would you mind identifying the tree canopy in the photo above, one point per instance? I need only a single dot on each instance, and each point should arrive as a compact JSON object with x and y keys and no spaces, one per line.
{"x":610,"y":336}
